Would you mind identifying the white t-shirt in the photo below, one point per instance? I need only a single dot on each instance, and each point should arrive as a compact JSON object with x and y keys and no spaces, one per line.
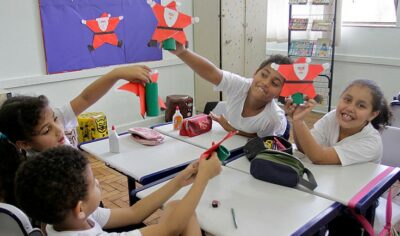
{"x":271,"y":121}
{"x":97,"y":219}
{"x":364,"y":146}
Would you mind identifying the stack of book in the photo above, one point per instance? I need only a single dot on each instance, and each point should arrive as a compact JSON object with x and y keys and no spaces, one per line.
{"x":321,"y":2}
{"x":298,"y":2}
{"x":323,"y":48}
{"x":321,"y":25}
{"x":298,"y":24}
{"x":301,"y":48}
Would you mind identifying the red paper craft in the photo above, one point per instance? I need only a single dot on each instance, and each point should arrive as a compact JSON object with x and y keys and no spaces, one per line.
{"x":139,"y":90}
{"x":103,"y":28}
{"x":170,"y":23}
{"x":299,"y":76}
{"x":214,"y":146}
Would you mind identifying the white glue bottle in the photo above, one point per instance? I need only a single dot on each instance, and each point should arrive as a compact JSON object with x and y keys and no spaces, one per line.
{"x":113,"y":140}
{"x":177,"y":119}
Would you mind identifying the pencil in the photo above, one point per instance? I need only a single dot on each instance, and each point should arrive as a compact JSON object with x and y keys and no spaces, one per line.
{"x":234,"y":218}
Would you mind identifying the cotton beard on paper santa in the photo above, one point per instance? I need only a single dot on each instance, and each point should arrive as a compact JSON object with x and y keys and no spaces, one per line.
{"x":299,"y":78}
{"x":170,"y":25}
{"x":103,"y":28}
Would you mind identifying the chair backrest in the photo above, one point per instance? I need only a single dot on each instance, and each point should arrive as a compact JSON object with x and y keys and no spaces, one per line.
{"x":14,"y":222}
{"x":391,"y":148}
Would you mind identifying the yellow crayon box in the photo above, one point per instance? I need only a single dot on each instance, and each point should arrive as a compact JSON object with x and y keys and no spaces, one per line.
{"x":92,"y":125}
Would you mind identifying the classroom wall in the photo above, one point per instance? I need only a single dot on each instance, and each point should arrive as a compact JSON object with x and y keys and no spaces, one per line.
{"x":364,"y":52}
{"x":22,"y":68}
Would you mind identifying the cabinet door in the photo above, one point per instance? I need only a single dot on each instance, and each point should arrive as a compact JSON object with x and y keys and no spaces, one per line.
{"x":255,"y":35}
{"x":232,"y":41}
{"x":206,"y":43}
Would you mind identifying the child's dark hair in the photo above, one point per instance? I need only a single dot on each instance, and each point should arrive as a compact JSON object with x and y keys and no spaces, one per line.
{"x":277,"y":58}
{"x":51,"y":184}
{"x":18,"y":117}
{"x":379,"y":102}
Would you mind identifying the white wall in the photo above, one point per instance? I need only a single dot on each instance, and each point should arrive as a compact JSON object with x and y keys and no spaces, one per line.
{"x":22,"y":67}
{"x":364,"y":52}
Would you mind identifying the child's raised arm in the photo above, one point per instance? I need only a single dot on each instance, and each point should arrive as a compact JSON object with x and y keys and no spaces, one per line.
{"x":92,"y":93}
{"x":199,"y":64}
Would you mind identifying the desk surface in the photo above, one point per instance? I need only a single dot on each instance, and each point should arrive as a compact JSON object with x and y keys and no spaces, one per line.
{"x":205,"y":140}
{"x":259,"y":206}
{"x":335,"y":182}
{"x":138,"y":161}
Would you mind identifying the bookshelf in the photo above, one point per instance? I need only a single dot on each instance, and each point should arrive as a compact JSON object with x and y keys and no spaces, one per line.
{"x":311,"y":33}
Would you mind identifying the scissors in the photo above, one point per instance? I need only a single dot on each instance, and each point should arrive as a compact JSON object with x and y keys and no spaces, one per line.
{"x":214,"y":146}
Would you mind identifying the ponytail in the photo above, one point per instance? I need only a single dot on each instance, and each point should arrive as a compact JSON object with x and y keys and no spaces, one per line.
{"x":10,"y":160}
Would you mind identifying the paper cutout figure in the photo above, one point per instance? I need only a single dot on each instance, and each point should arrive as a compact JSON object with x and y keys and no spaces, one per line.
{"x":139,"y":90}
{"x":299,"y":78}
{"x":103,"y":28}
{"x":170,"y":25}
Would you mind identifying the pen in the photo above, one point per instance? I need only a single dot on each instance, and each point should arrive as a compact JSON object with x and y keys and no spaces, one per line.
{"x":234,"y":218}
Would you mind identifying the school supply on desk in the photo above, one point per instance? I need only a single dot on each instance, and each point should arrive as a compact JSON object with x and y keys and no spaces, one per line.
{"x":223,"y":153}
{"x":256,"y":145}
{"x":196,"y":125}
{"x":113,"y":140}
{"x":281,"y":168}
{"x":146,"y":136}
{"x":177,"y":119}
{"x":234,"y":218}
{"x":149,"y":100}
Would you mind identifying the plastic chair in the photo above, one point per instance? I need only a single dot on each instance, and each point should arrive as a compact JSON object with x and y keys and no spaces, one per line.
{"x":14,"y":222}
{"x":391,"y":157}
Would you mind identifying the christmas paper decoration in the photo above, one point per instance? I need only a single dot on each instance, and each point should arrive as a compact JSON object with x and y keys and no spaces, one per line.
{"x":299,"y":78}
{"x":170,"y":25}
{"x":103,"y":28}
{"x":147,"y":96}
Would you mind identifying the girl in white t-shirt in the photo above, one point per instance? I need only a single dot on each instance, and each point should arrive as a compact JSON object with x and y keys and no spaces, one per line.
{"x":347,"y":135}
{"x":250,"y":102}
{"x":28,"y":124}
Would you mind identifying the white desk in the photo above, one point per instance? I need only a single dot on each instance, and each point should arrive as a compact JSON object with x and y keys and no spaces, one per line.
{"x":205,"y":140}
{"x":339,"y":183}
{"x":261,"y":208}
{"x":144,"y":163}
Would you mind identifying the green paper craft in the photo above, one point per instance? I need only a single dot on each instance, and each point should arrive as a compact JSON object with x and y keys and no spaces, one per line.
{"x":298,"y":98}
{"x":169,"y":44}
{"x":152,"y":99}
{"x":223,"y":153}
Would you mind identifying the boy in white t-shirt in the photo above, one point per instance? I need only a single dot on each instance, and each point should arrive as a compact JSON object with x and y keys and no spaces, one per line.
{"x":250,"y":102}
{"x":57,"y":187}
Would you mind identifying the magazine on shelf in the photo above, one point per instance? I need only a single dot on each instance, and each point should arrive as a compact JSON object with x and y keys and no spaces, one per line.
{"x":303,"y":48}
{"x":321,"y":2}
{"x":298,"y":2}
{"x":321,"y":25}
{"x":298,"y":23}
{"x":323,"y":48}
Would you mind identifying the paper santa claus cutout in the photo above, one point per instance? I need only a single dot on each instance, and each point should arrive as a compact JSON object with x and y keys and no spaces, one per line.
{"x":299,"y":78}
{"x":170,"y":25}
{"x":140,"y":91}
{"x":103,"y":28}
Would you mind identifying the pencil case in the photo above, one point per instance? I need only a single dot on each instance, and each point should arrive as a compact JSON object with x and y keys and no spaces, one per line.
{"x":281,"y":168}
{"x":196,"y":125}
{"x":256,"y":145}
{"x":146,"y":136}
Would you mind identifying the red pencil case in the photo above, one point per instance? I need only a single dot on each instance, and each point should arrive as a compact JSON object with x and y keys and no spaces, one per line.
{"x":196,"y":125}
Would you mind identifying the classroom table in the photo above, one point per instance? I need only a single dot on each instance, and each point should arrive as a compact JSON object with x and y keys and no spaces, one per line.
{"x":341,"y":184}
{"x":260,"y":208}
{"x":205,"y":140}
{"x":142,"y":163}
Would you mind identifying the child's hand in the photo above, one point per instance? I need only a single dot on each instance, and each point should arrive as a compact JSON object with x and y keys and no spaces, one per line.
{"x":289,"y":107}
{"x":134,"y":73}
{"x":301,"y":111}
{"x":222,"y":121}
{"x":179,"y":49}
{"x":187,"y":175}
{"x":209,"y":167}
